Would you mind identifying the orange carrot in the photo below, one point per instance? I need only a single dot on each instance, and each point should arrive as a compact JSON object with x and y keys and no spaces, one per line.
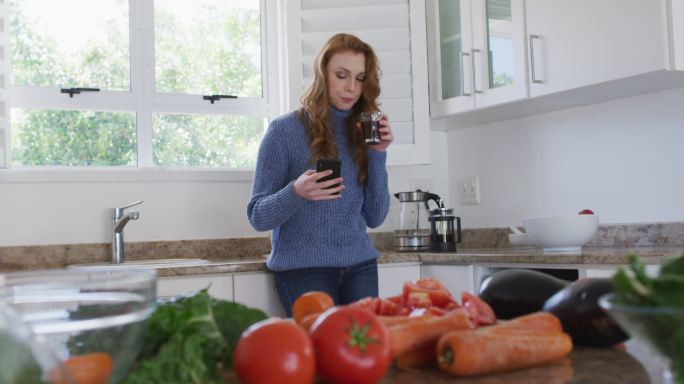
{"x":419,"y":358}
{"x":425,"y":330}
{"x":537,"y":321}
{"x":468,"y":353}
{"x":91,"y":368}
{"x":311,"y":302}
{"x":391,"y":321}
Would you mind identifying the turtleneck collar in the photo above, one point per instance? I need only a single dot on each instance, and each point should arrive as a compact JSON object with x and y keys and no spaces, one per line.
{"x":338,"y":113}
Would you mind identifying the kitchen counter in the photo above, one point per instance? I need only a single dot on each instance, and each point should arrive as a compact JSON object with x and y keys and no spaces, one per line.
{"x":584,"y":365}
{"x":588,"y":255}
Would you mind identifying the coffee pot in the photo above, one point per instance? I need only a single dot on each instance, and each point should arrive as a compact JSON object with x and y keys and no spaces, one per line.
{"x":414,"y":232}
{"x":443,"y":234}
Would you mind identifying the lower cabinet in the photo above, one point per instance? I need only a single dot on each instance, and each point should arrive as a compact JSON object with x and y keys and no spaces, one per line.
{"x":607,"y":271}
{"x":258,"y":290}
{"x":456,"y":278}
{"x":220,"y":286}
{"x":391,"y":277}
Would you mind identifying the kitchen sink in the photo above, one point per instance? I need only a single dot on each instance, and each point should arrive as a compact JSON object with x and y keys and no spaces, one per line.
{"x":143,"y":264}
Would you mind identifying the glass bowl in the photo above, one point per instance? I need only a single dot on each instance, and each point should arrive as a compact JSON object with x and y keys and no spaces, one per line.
{"x":93,"y":322}
{"x":661,"y":329}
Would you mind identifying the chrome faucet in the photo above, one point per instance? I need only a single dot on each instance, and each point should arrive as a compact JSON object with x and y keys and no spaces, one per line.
{"x":120,"y":222}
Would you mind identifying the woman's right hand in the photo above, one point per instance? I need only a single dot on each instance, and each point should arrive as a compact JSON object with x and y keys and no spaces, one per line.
{"x":307,"y":186}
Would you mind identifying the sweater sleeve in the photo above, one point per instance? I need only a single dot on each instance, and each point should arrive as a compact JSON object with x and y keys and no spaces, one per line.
{"x":273,"y":199}
{"x":376,"y":192}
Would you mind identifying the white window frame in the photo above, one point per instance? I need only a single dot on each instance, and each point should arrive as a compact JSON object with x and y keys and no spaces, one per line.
{"x":145,"y":101}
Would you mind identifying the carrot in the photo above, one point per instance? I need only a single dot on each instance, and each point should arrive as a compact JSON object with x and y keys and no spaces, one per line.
{"x":537,"y":321}
{"x":425,"y":330}
{"x":391,"y":321}
{"x":91,"y":368}
{"x":311,"y":302}
{"x":419,"y":358}
{"x":468,"y":353}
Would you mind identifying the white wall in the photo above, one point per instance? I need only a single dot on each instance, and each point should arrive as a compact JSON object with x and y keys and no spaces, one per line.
{"x":80,"y":212}
{"x":623,"y":159}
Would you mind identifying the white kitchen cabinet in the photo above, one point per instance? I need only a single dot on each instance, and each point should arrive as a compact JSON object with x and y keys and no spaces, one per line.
{"x":391,"y":277}
{"x":577,"y":43}
{"x":220,"y":286}
{"x":258,"y":290}
{"x":456,"y":278}
{"x":476,"y":54}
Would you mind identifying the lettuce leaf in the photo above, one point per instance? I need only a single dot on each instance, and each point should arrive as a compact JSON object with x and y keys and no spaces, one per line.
{"x":189,"y":340}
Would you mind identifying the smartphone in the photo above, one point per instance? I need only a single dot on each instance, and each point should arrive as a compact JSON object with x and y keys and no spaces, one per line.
{"x":335,"y":165}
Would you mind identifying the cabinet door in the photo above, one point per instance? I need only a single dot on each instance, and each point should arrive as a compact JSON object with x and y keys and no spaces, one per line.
{"x":456,"y":278}
{"x":583,"y":42}
{"x":257,"y":290}
{"x":476,"y":54}
{"x":391,"y":277}
{"x":498,"y":52}
{"x":220,"y":286}
{"x":449,"y":35}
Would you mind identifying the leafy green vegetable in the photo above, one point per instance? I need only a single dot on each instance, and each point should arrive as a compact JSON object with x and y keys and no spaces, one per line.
{"x":17,"y":365}
{"x":189,"y":340}
{"x":658,"y":318}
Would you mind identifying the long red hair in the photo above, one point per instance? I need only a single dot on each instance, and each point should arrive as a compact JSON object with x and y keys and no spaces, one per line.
{"x":314,"y":112}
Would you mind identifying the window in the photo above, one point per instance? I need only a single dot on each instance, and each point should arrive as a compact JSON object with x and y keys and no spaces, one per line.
{"x":139,"y":83}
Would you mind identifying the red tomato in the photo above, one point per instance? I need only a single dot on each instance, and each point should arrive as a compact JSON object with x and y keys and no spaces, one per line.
{"x":586,"y":212}
{"x":370,"y":304}
{"x":480,"y":312}
{"x":274,"y":351}
{"x":351,"y":346}
{"x":418,"y":300}
{"x":439,"y":295}
{"x":380,"y":306}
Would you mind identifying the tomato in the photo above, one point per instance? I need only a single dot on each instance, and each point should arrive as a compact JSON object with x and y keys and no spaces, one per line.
{"x":379,"y":306}
{"x":311,"y":302}
{"x":438,"y":294}
{"x":91,"y":368}
{"x":351,"y":346}
{"x":480,"y":312}
{"x":390,"y":308}
{"x":274,"y":351}
{"x":418,"y":300}
{"x":586,"y":212}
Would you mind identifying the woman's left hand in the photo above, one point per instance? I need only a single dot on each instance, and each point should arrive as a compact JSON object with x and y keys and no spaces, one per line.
{"x":386,"y":136}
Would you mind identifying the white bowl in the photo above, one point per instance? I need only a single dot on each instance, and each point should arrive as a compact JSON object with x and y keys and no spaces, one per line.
{"x":561,"y":233}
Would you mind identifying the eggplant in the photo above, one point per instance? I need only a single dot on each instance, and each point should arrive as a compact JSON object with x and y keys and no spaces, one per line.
{"x":516,"y":292}
{"x":578,"y":310}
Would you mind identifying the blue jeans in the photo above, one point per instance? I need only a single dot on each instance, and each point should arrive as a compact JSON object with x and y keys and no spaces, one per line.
{"x":344,"y":285}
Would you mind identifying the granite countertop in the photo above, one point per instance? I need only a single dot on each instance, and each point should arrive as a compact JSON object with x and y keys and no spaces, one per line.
{"x":588,"y":255}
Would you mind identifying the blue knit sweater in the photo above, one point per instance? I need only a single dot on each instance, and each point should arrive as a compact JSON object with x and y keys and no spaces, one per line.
{"x":306,"y":233}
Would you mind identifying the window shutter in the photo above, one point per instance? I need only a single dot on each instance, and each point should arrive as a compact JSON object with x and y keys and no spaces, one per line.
{"x":4,"y":79}
{"x":396,"y":30}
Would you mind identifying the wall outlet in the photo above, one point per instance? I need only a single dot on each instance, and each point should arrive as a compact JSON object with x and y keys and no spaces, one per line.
{"x":468,"y":190}
{"x":422,"y":183}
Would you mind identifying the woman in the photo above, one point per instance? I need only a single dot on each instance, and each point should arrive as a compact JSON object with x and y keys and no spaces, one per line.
{"x":319,"y":240}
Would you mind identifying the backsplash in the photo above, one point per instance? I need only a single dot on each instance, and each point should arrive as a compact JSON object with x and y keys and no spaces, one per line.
{"x":251,"y":248}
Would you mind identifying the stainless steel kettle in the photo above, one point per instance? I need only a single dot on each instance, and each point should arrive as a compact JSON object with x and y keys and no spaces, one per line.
{"x":414,"y":231}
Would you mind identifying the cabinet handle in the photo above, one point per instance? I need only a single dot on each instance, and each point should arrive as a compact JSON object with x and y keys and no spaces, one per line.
{"x":533,"y":72}
{"x":472,"y":63}
{"x":463,"y":92}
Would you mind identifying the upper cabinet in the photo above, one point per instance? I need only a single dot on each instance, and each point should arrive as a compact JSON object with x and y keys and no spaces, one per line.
{"x":577,"y":43}
{"x":493,"y":60}
{"x":476,"y":54}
